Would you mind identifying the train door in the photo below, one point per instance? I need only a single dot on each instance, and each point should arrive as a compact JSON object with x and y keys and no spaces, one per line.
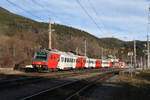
{"x":98,"y":63}
{"x":53,"y":60}
{"x":110,"y":64}
{"x":79,"y":62}
{"x":83,"y":62}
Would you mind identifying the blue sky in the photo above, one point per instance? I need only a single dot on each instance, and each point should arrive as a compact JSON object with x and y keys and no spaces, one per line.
{"x":123,"y":19}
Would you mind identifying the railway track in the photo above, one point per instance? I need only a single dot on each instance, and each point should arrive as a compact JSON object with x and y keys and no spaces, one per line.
{"x":19,"y":81}
{"x":5,"y":84}
{"x":69,"y":90}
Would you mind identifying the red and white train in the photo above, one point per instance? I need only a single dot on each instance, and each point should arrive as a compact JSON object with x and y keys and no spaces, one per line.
{"x":58,"y":60}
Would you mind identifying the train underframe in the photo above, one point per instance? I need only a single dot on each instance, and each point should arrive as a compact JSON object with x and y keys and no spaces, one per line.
{"x":44,"y":68}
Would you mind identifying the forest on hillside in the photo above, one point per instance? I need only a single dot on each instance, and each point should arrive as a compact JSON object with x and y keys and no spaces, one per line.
{"x":20,"y":37}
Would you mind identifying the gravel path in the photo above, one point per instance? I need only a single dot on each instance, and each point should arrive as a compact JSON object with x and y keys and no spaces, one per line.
{"x":105,"y":91}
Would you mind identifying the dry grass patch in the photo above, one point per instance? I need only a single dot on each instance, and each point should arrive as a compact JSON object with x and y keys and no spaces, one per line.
{"x":134,"y":88}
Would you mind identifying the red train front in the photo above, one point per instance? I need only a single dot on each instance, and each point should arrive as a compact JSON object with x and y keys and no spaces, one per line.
{"x":45,"y":60}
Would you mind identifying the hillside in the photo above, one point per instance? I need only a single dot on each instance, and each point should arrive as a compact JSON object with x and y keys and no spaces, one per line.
{"x":20,"y":37}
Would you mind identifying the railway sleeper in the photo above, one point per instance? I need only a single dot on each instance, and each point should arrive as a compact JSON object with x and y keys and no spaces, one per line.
{"x":66,"y":92}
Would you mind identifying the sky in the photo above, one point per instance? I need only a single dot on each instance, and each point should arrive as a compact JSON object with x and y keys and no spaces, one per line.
{"x":123,"y":19}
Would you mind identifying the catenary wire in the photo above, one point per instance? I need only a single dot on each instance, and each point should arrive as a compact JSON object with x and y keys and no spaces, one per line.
{"x":35,"y":2}
{"x":24,"y":10}
{"x":89,"y":15}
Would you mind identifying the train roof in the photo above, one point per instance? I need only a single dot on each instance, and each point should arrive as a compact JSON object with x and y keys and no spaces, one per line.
{"x":65,"y":53}
{"x":57,"y":51}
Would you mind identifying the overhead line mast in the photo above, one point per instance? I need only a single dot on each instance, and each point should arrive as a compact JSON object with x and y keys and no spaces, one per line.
{"x":148,"y":38}
{"x":85,"y":48}
{"x":50,"y":35}
{"x":135,"y":53}
{"x":147,"y":51}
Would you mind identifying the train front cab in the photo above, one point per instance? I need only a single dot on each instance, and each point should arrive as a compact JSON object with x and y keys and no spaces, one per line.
{"x":40,"y":61}
{"x":45,"y":61}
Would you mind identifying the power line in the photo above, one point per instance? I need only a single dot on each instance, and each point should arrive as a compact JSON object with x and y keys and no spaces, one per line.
{"x":23,"y":9}
{"x":89,"y":15}
{"x":93,"y":8}
{"x":35,"y":2}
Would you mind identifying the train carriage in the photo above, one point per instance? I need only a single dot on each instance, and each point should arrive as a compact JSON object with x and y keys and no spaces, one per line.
{"x":92,"y":63}
{"x":67,"y":60}
{"x":106,"y":63}
{"x":55,"y":60}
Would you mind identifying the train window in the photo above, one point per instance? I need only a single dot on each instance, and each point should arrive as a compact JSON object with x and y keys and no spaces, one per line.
{"x":65,"y":59}
{"x":62,"y":59}
{"x":54,"y":57}
{"x":78,"y":60}
{"x":58,"y":59}
{"x":51,"y":57}
{"x":84,"y":61}
{"x":69,"y":59}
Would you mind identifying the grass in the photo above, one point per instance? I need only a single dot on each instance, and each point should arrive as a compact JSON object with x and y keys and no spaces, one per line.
{"x":134,"y":88}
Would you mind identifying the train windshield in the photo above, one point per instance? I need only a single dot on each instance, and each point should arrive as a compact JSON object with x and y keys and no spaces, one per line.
{"x":40,"y":56}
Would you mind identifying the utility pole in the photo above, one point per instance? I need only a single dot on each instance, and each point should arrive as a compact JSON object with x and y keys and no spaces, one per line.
{"x":147,"y":51}
{"x":148,"y":38}
{"x":85,"y":48}
{"x":77,"y":52}
{"x":102,"y":53}
{"x":50,"y":35}
{"x":135,"y":54}
{"x":131,"y":60}
{"x":141,"y":65}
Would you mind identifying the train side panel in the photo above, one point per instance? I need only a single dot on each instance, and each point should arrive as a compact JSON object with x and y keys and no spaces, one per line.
{"x":53,"y":60}
{"x":98,"y":63}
